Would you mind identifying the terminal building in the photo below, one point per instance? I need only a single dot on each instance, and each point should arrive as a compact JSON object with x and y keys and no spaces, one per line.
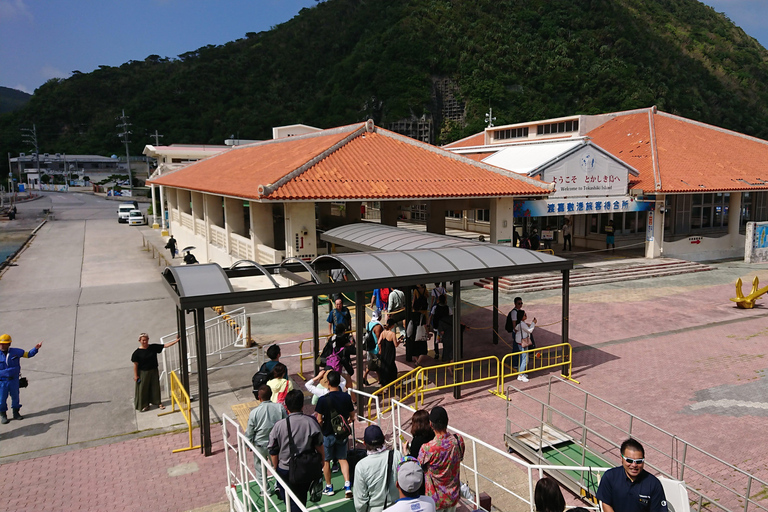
{"x":673,"y":187}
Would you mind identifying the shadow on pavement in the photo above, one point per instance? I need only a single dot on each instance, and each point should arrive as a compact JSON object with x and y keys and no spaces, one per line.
{"x":28,"y":429}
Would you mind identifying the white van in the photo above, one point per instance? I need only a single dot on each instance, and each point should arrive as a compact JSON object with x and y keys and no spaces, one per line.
{"x":124,"y":211}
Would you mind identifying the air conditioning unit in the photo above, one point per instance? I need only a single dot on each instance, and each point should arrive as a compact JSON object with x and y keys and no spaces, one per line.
{"x":22,"y":155}
{"x":58,"y":155}
{"x":46,"y":155}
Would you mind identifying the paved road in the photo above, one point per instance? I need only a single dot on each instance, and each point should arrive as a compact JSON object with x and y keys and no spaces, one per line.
{"x":83,"y":286}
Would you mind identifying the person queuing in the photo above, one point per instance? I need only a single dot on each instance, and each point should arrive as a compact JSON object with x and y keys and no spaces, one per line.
{"x":441,"y":459}
{"x":318,"y":385}
{"x":547,"y":497}
{"x":629,"y":487}
{"x":10,"y":373}
{"x":396,"y":307}
{"x":410,"y":479}
{"x":388,"y":343}
{"x":376,"y":328}
{"x":261,"y":421}
{"x":336,"y":402}
{"x":306,"y":436}
{"x":375,"y":487}
{"x":339,"y":315}
{"x":145,"y":372}
{"x":280,"y":384}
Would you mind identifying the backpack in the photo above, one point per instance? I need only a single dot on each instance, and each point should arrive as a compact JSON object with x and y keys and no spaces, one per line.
{"x":369,"y":340}
{"x":384,"y":295}
{"x":334,"y":359}
{"x":510,"y":325}
{"x":339,"y":425}
{"x":259,"y":379}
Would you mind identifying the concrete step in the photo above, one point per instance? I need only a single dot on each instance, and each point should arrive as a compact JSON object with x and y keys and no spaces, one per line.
{"x":599,"y":274}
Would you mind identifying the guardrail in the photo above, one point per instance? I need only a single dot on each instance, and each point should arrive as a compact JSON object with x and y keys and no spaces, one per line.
{"x":542,"y":358}
{"x":180,"y":397}
{"x":404,"y":387}
{"x":497,"y":466}
{"x":712,"y":483}
{"x":459,"y":373}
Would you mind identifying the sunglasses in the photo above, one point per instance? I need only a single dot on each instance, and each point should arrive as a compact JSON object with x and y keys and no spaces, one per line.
{"x":633,"y":461}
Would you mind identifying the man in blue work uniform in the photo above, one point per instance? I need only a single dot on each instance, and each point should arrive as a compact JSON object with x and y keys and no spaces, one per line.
{"x":629,"y":488}
{"x":10,"y":370}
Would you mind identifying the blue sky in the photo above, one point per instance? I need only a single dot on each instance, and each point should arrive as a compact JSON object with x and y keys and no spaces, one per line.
{"x":44,"y":39}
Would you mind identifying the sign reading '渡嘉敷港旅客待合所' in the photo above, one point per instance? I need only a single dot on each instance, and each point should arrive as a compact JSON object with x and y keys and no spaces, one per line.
{"x":582,"y":205}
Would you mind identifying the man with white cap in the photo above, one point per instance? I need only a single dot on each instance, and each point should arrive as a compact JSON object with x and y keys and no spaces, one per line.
{"x":410,"y":477}
{"x":375,"y":474}
{"x":10,"y":371}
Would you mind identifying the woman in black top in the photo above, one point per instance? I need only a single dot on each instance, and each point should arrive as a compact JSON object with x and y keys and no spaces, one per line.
{"x":421,"y":430}
{"x":145,"y":372}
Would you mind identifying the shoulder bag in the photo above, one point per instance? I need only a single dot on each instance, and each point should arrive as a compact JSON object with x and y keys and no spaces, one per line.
{"x":304,"y":467}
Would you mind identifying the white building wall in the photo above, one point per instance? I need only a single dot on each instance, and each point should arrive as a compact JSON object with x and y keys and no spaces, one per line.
{"x":300,"y":234}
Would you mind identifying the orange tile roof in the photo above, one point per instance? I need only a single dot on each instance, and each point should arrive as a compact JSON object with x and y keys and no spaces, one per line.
{"x":692,"y":156}
{"x":477,"y":139}
{"x":372,"y":165}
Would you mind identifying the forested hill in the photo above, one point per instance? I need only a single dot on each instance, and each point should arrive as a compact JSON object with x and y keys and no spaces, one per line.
{"x":346,"y":60}
{"x":12,"y":99}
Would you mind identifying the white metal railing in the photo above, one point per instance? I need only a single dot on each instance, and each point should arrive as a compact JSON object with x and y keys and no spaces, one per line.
{"x":175,"y":216}
{"x":497,"y":465}
{"x":240,"y":247}
{"x":220,"y":335}
{"x":218,"y":236}
{"x":241,"y":474}
{"x":186,"y":221}
{"x":600,"y":426}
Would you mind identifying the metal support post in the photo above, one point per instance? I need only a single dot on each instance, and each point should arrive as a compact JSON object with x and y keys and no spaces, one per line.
{"x":457,"y":349}
{"x":181,"y":328}
{"x":496,"y":310}
{"x":566,"y":307}
{"x":202,"y":383}
{"x":315,"y":332}
{"x":360,"y":357}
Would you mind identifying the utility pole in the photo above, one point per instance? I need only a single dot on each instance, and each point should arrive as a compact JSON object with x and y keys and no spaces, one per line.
{"x":157,"y":137}
{"x":489,"y":119}
{"x":30,"y":137}
{"x":124,"y":125}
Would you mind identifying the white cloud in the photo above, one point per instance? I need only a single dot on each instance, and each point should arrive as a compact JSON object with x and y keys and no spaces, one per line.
{"x":48,"y":72}
{"x":13,"y":9}
{"x":23,"y":88}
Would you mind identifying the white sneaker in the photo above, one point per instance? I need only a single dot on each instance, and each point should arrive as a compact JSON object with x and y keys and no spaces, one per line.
{"x":523,"y":378}
{"x":520,"y":377}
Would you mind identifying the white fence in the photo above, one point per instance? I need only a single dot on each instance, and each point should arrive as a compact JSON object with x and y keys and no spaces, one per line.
{"x":220,"y":335}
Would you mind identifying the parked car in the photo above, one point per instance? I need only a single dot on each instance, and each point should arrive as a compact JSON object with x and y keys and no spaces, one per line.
{"x":136,"y":218}
{"x":123,"y":211}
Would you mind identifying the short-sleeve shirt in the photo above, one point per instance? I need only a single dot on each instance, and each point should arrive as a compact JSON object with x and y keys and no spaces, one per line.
{"x":147,"y":357}
{"x":420,"y":504}
{"x":441,"y":458}
{"x":337,"y":400}
{"x":337,"y":317}
{"x":306,"y":434}
{"x":261,"y":420}
{"x":645,"y":494}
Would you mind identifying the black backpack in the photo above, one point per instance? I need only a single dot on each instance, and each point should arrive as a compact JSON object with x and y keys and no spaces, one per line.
{"x":510,"y":325}
{"x":369,"y":341}
{"x":259,"y":379}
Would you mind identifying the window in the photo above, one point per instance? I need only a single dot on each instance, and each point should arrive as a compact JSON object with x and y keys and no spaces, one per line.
{"x":511,"y":133}
{"x":454,"y":214}
{"x":563,"y":127}
{"x":483,"y":215}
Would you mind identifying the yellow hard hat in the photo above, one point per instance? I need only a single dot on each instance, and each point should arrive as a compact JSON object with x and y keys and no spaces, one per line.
{"x":5,"y":338}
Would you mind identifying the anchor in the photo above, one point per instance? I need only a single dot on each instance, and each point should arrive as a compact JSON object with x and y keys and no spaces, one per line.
{"x":748,"y":302}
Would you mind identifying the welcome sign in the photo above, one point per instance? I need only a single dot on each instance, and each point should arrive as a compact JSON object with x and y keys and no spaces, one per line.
{"x":587,"y":173}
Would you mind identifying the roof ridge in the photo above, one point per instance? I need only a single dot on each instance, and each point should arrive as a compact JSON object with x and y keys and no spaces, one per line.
{"x":266,"y":190}
{"x":712,"y":127}
{"x":654,"y":150}
{"x":463,"y":159}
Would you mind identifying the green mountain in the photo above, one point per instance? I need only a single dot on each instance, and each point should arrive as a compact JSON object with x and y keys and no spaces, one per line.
{"x":343,"y":61}
{"x":12,"y":99}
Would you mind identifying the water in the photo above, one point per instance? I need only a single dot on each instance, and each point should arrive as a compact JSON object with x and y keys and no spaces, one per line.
{"x":10,"y":242}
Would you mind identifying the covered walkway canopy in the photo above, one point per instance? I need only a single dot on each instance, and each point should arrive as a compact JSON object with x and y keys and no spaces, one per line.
{"x":196,"y":287}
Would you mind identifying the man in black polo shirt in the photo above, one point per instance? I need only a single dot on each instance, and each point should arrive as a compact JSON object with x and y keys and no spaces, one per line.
{"x":629,"y":488}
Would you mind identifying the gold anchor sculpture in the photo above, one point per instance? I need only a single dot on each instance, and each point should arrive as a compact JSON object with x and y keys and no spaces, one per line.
{"x":748,"y":302}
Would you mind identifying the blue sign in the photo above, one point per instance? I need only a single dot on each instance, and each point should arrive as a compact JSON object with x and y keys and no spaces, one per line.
{"x":554,"y":206}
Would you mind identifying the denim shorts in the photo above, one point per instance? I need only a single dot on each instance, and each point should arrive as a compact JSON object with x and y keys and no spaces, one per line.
{"x":335,"y":448}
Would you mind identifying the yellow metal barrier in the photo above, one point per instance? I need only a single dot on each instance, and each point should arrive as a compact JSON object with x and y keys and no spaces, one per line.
{"x":180,"y":397}
{"x":402,"y":388}
{"x":538,"y":359}
{"x":548,"y":251}
{"x":459,"y":373}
